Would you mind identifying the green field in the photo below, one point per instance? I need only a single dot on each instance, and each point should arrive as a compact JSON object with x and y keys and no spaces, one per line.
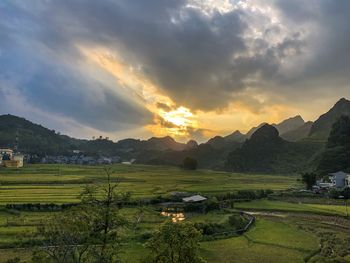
{"x":62,"y":184}
{"x":266,"y":205}
{"x":267,"y":242}
{"x":284,"y":231}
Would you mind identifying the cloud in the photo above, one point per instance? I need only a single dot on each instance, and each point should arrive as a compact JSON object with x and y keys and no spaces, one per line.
{"x":56,"y":82}
{"x":199,"y":60}
{"x":207,"y":56}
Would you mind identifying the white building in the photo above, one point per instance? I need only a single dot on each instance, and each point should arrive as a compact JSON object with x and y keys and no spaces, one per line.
{"x":340,"y":179}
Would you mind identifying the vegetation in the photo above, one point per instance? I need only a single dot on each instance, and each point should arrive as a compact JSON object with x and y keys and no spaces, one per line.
{"x":34,"y":138}
{"x":280,"y":206}
{"x":189,"y":163}
{"x":175,"y":243}
{"x":336,"y":155}
{"x":266,"y":152}
{"x":62,"y":184}
{"x":88,"y":232}
{"x":309,"y":179}
{"x":48,"y":198}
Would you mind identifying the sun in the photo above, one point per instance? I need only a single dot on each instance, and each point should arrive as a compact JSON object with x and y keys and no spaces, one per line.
{"x":181,"y":117}
{"x":177,"y":122}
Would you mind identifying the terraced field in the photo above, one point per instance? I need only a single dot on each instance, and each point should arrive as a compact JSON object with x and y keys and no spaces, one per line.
{"x":284,"y":231}
{"x":62,"y":184}
{"x":267,"y":242}
{"x":266,"y":205}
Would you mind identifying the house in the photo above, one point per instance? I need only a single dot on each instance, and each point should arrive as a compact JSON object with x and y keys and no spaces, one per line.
{"x":10,"y":159}
{"x":5,"y":154}
{"x":339,"y":179}
{"x":194,"y":199}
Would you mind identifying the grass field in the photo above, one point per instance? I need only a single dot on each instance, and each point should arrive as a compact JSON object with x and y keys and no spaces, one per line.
{"x":62,"y":184}
{"x":267,"y":242}
{"x":292,"y":207}
{"x":272,"y":239}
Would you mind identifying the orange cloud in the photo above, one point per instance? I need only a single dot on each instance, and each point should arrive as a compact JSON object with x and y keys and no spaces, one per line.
{"x":249,"y":108}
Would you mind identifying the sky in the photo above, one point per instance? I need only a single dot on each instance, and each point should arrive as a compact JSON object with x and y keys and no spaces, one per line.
{"x":184,"y":68}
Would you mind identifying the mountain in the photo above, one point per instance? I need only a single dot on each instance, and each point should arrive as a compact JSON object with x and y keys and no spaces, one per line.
{"x":164,"y":143}
{"x":33,"y":138}
{"x":207,"y":156}
{"x":217,"y":142}
{"x":236,"y":136}
{"x":322,"y":126}
{"x":299,"y":133}
{"x":191,"y":144}
{"x":267,"y":152}
{"x":290,"y":124}
{"x":283,"y":127}
{"x":36,"y":139}
{"x":337,"y":151}
{"x":228,"y":142}
{"x":254,"y":129}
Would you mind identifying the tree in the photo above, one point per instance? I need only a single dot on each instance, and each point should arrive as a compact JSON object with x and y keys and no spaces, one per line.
{"x":189,"y":163}
{"x":309,"y":179}
{"x":67,"y":237}
{"x":87,"y":232}
{"x":175,"y":243}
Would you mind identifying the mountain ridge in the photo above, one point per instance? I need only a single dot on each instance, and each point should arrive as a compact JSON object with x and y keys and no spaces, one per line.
{"x":322,"y":126}
{"x":285,"y":147}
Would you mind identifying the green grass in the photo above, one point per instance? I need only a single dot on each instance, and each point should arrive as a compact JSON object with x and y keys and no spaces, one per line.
{"x":63,"y":183}
{"x":268,"y":242}
{"x":267,"y":205}
{"x":282,"y":234}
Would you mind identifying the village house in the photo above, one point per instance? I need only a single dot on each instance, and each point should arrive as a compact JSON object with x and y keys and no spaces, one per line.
{"x":10,"y":159}
{"x":336,"y":180}
{"x":339,"y":179}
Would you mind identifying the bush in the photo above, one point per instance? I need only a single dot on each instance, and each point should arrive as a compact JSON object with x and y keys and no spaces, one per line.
{"x":335,"y":193}
{"x":247,"y":194}
{"x":189,"y":163}
{"x":209,"y":228}
{"x":237,"y":221}
{"x":212,"y":204}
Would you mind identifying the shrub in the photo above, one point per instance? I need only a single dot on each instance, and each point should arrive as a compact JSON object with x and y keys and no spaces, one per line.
{"x":189,"y":163}
{"x":237,"y":221}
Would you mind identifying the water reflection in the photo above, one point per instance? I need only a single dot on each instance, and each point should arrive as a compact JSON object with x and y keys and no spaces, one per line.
{"x":175,"y":217}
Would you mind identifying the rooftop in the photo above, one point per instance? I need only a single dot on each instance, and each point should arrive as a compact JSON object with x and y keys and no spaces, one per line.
{"x":194,"y":198}
{"x":340,"y":174}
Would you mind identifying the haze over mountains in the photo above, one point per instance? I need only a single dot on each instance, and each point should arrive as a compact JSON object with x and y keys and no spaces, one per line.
{"x":283,"y":147}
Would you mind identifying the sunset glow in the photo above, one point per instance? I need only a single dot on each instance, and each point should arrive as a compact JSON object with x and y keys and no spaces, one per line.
{"x":181,"y":117}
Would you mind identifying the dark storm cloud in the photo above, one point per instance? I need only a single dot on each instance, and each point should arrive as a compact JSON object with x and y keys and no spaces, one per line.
{"x":53,"y":85}
{"x":200,"y":60}
{"x":328,"y":42}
